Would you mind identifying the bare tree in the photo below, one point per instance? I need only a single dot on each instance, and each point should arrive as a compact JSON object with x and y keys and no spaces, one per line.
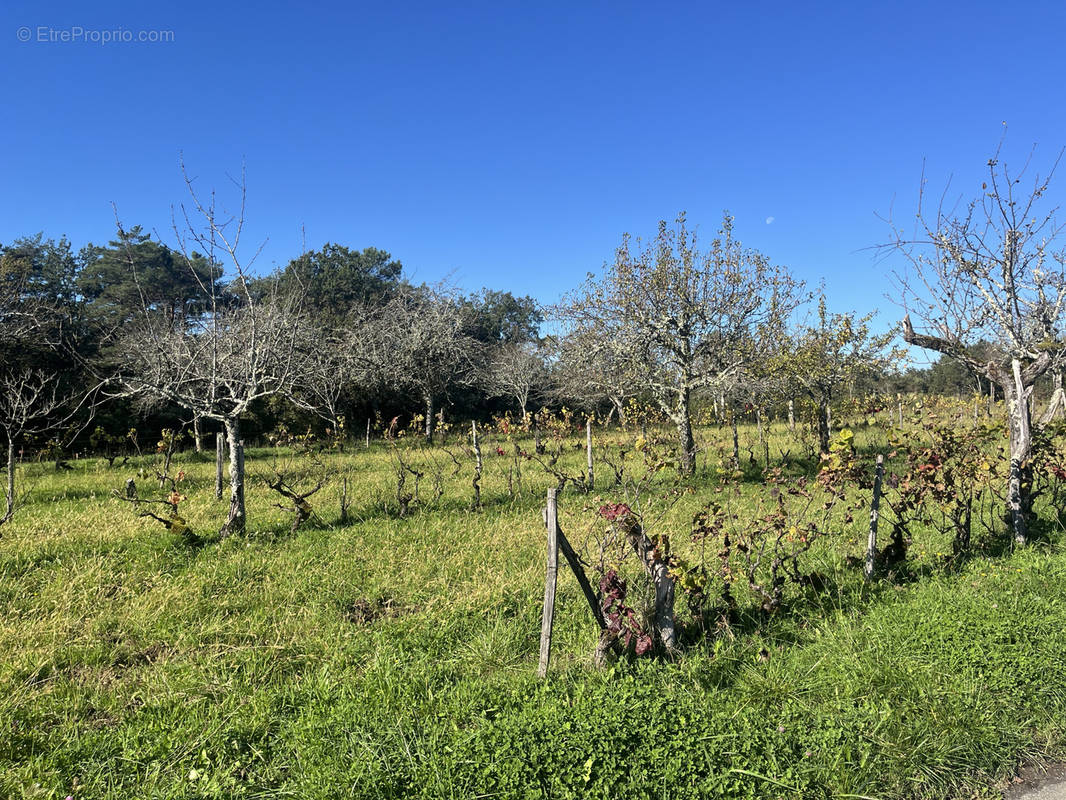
{"x":516,"y":370}
{"x":836,"y":349}
{"x":592,"y":367}
{"x":416,"y":341}
{"x":37,"y":395}
{"x":686,"y":319}
{"x":991,"y":270}
{"x":246,"y":346}
{"x":32,"y":402}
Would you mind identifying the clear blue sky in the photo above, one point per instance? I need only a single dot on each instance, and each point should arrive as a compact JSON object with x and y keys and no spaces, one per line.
{"x":510,"y":145}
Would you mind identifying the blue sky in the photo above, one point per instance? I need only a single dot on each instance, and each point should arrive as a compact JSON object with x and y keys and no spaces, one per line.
{"x":510,"y":145}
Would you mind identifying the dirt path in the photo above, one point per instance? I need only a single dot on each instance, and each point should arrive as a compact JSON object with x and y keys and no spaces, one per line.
{"x":1043,"y":785}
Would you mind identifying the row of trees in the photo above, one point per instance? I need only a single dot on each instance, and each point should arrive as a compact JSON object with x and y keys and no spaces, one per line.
{"x":192,"y":328}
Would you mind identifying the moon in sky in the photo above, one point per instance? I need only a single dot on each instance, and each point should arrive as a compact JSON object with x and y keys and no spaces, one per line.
{"x":769,"y":220}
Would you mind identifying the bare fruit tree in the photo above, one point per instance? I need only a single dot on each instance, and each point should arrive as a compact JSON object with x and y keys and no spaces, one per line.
{"x":36,"y":395}
{"x":417,"y":342}
{"x":836,"y":349}
{"x":247,"y":345}
{"x":991,"y":270}
{"x":687,"y":319}
{"x":592,"y":367}
{"x":516,"y":370}
{"x":32,"y":401}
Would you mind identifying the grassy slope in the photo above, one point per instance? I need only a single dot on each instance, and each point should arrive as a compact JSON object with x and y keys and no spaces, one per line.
{"x":394,"y":658}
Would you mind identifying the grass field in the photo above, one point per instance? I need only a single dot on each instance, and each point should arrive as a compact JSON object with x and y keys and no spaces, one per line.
{"x":395,"y":657}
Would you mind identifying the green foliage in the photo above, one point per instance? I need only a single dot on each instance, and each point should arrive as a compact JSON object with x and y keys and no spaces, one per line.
{"x":334,"y":280}
{"x":134,"y":273}
{"x":494,"y":317}
{"x":394,"y":657}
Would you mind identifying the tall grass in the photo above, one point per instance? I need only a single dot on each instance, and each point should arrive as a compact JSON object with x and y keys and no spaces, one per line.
{"x":395,"y":656}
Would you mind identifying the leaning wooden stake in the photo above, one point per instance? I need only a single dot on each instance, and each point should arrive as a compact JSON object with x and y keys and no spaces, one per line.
{"x":875,"y":504}
{"x":574,"y":562}
{"x":220,"y":445}
{"x":552,"y":525}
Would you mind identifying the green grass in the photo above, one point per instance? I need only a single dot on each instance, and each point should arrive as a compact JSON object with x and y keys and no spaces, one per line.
{"x":395,"y":657}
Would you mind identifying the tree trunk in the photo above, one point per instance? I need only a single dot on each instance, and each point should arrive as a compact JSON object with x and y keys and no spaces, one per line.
{"x":763,"y":442}
{"x":736,"y":438}
{"x":823,"y":424}
{"x":791,"y":415}
{"x":237,"y":521}
{"x":684,"y":433}
{"x":590,"y":476}
{"x":429,"y":417}
{"x":1019,"y":478}
{"x":9,"y":497}
{"x":619,"y":406}
{"x":220,"y":454}
{"x":1057,"y":404}
{"x":197,"y":433}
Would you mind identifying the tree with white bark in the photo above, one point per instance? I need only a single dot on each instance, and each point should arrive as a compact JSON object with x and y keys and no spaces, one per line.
{"x":417,"y":342}
{"x":689,"y":319}
{"x":516,"y":370}
{"x":246,"y":346}
{"x":591,"y":367}
{"x":992,"y":269}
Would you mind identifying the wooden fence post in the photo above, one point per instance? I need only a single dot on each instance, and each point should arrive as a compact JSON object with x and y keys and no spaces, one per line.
{"x":875,"y":504}
{"x":552,"y":525}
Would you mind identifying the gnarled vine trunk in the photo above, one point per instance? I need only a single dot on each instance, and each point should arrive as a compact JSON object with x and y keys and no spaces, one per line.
{"x":659,"y":571}
{"x":428,"y":398}
{"x":9,"y":497}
